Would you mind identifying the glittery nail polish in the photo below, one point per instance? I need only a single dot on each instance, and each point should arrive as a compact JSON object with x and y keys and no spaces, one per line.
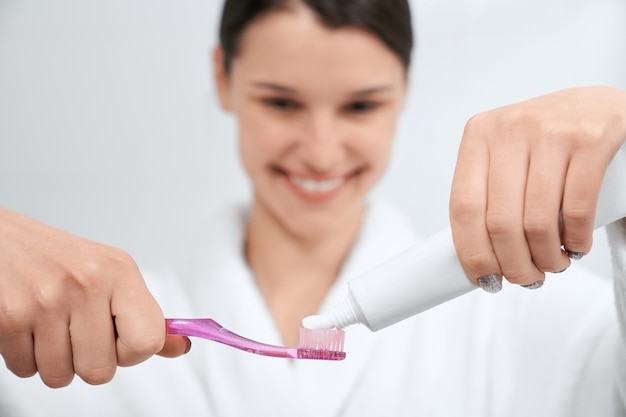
{"x":575,"y":255}
{"x":534,"y":285}
{"x":562,"y":270}
{"x":490,"y":283}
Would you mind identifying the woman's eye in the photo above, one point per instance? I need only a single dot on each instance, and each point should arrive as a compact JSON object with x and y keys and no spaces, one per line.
{"x":361,"y":106}
{"x":281,"y":104}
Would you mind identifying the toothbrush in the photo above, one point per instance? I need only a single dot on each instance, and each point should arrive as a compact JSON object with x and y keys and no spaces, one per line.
{"x":325,"y":344}
{"x":430,"y":273}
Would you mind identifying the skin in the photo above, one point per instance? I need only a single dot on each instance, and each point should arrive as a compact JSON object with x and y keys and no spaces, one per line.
{"x":319,"y":106}
{"x":299,"y":116}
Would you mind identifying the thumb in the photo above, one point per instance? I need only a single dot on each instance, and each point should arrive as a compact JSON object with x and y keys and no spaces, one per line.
{"x":175,"y":346}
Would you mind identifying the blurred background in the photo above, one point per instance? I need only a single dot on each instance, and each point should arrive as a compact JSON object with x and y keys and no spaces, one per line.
{"x":109,"y":125}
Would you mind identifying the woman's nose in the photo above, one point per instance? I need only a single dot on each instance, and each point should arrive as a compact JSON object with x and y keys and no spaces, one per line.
{"x":322,"y":146}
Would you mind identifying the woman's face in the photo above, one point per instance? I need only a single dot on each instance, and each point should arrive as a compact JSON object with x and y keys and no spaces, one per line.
{"x":316,"y":111}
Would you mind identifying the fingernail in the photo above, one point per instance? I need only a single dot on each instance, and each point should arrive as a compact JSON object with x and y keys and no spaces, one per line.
{"x":490,"y":283}
{"x":575,"y":255}
{"x":562,"y":270}
{"x":534,"y":285}
{"x":188,"y":345}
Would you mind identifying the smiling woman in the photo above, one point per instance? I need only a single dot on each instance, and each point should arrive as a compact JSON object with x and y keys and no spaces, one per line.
{"x":316,"y":88}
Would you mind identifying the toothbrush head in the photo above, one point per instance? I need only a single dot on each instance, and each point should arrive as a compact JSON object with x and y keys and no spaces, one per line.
{"x":325,"y":344}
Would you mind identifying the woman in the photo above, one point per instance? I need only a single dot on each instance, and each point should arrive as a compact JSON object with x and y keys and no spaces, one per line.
{"x":316,"y":87}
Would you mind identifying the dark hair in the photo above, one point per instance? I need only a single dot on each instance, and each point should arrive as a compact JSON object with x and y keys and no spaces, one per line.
{"x":389,"y":20}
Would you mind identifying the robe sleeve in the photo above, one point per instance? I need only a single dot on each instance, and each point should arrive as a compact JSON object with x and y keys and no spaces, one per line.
{"x":617,"y":240}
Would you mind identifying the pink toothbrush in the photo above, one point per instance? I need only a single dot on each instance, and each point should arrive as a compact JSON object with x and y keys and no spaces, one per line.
{"x":326,"y":344}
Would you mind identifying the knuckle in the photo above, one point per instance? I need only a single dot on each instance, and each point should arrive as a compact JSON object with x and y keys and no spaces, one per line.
{"x":120,"y":259}
{"x":474,"y":126}
{"x":98,"y":376}
{"x":134,"y":351}
{"x":47,"y":297}
{"x":510,"y":117}
{"x":555,"y":131}
{"x":15,"y":319}
{"x":463,"y":208}
{"x":576,"y":215}
{"x":21,"y":370}
{"x":588,"y":132}
{"x":537,"y":224}
{"x":508,"y":120}
{"x":57,"y":381}
{"x":476,"y":261}
{"x":89,"y":275}
{"x":498,"y":223}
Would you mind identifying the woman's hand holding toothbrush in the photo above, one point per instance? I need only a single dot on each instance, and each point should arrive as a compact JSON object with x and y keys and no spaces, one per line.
{"x":70,"y":306}
{"x":527,"y":181}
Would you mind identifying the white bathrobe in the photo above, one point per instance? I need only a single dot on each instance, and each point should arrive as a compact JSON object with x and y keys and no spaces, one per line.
{"x":556,"y":351}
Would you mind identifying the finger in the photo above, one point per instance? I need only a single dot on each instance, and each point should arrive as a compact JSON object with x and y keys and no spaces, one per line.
{"x":544,"y":193}
{"x":468,"y":205}
{"x":16,"y":334}
{"x":175,"y":346}
{"x":93,"y":343}
{"x":53,"y":351}
{"x":580,"y":197}
{"x":508,"y":172}
{"x":19,"y":353}
{"x":138,"y":319}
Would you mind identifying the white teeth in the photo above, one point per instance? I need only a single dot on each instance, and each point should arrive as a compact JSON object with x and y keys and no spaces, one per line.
{"x":314,"y":186}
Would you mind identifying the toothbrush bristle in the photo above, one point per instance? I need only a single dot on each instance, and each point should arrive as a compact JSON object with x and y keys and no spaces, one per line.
{"x":325,"y":344}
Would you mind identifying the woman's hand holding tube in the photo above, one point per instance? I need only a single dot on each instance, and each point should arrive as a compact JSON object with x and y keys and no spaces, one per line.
{"x":527,"y":181}
{"x":70,"y":306}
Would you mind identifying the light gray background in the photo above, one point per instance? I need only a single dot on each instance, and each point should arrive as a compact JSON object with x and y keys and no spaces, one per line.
{"x":109,"y":126}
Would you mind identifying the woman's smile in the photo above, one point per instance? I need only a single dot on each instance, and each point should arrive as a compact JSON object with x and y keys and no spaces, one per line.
{"x":315,"y":187}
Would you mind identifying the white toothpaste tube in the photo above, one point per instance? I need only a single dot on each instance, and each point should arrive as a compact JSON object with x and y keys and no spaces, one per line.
{"x":430,"y":273}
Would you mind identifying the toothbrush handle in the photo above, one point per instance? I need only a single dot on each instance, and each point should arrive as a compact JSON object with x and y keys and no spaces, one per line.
{"x":211,"y":330}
